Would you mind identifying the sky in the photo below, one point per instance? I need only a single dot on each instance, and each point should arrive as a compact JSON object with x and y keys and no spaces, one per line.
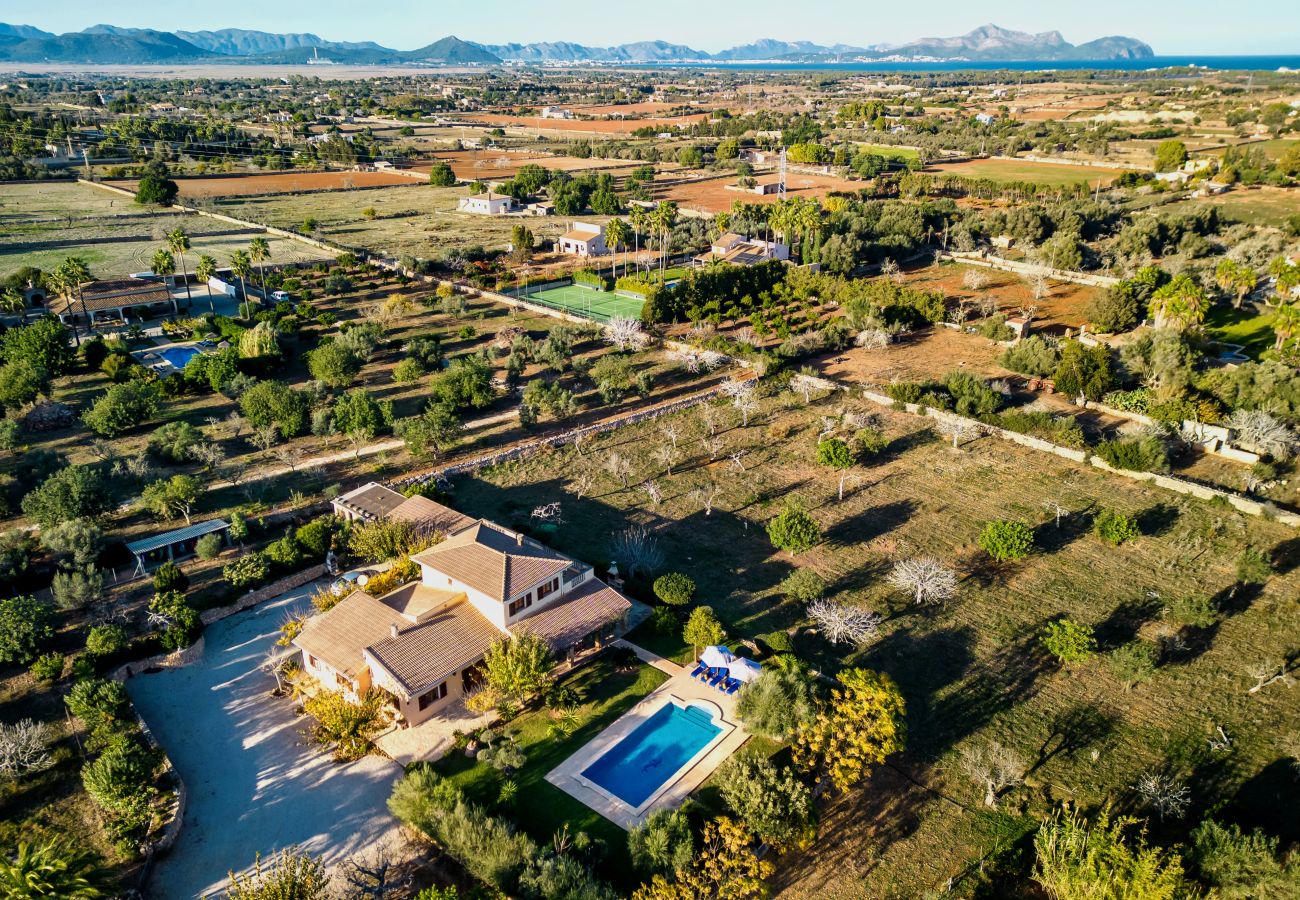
{"x":1191,"y":26}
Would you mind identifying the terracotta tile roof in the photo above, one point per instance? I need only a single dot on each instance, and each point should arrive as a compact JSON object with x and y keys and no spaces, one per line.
{"x":562,"y":624}
{"x":371,"y":501}
{"x":429,"y":514}
{"x":101,"y":295}
{"x":339,"y":636}
{"x":494,"y":560}
{"x":449,"y":640}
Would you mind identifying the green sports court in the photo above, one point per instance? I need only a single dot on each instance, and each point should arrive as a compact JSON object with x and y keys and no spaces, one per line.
{"x":583,"y":301}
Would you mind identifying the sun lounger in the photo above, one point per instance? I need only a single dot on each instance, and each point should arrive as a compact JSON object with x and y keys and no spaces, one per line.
{"x":698,"y":671}
{"x":732,"y":686}
{"x":719,"y":678}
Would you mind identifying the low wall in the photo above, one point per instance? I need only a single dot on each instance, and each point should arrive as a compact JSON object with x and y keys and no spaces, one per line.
{"x":1011,"y":265}
{"x":261,"y":595}
{"x":1168,"y":482}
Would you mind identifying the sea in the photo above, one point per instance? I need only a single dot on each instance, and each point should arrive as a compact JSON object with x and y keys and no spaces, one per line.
{"x":1150,"y":64}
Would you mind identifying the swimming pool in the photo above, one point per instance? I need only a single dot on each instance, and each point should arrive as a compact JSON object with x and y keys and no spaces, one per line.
{"x":641,"y":763}
{"x":178,"y":356}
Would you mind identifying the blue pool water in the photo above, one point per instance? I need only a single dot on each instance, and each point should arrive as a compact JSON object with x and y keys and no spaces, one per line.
{"x":178,"y":356}
{"x":644,"y":760}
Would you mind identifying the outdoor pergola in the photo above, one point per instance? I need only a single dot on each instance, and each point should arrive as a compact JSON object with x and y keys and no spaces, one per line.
{"x":174,"y":544}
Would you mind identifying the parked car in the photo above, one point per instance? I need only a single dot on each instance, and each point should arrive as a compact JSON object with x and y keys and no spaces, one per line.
{"x":351,"y":581}
{"x":277,"y":296}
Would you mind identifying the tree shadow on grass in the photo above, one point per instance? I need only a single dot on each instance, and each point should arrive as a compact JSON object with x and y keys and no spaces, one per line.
{"x":1122,"y":625}
{"x":1072,"y":730}
{"x":1286,"y":556}
{"x":871,"y":523}
{"x":1237,"y":598}
{"x":1050,"y":537}
{"x":1267,"y":800}
{"x":1157,"y":520}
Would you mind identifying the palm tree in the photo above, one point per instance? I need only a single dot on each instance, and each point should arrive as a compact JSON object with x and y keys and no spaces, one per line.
{"x":664,"y":218}
{"x":615,"y":237}
{"x":1286,"y":323}
{"x":242,"y":266}
{"x":67,"y":280}
{"x":636,"y":215}
{"x":52,"y":869}
{"x":1180,"y":304}
{"x":205,"y":270}
{"x":164,"y":264}
{"x":1235,"y":278}
{"x":179,"y":244}
{"x":12,"y":301}
{"x":259,"y":250}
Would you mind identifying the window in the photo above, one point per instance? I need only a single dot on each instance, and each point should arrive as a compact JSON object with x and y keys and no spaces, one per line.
{"x":342,"y":682}
{"x":522,"y":603}
{"x":549,"y":588}
{"x":433,"y":695}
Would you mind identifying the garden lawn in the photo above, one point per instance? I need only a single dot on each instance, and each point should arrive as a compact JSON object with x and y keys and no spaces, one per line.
{"x":540,"y":808}
{"x":1253,"y":331}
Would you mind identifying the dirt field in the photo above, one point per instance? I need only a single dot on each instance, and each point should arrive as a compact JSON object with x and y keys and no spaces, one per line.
{"x":476,"y":164}
{"x":712,"y":196}
{"x":600,"y":126}
{"x":281,"y":183}
{"x":615,"y":110}
{"x":1062,"y":307}
{"x":1027,"y":170}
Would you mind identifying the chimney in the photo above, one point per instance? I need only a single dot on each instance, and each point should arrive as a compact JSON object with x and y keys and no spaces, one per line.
{"x":519,"y":538}
{"x":392,"y":630}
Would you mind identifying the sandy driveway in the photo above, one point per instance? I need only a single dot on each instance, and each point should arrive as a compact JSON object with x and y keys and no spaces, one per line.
{"x":254,"y":786}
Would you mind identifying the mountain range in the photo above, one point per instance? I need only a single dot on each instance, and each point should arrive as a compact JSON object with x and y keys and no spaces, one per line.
{"x":109,"y":44}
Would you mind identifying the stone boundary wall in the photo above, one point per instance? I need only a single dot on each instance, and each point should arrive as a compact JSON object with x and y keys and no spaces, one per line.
{"x":1011,"y":265}
{"x":521,"y":451}
{"x":1168,"y":482}
{"x":1058,"y":161}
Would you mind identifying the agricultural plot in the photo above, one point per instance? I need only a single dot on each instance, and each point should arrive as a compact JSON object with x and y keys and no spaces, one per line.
{"x":1259,"y":205}
{"x":973,"y":671}
{"x":595,"y":126}
{"x":421,"y":221}
{"x":280,"y":183}
{"x":1024,"y":170}
{"x":42,"y":224}
{"x":1062,"y":306}
{"x":475,"y":165}
{"x":713,"y":195}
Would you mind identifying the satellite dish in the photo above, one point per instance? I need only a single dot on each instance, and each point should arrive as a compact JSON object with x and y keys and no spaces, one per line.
{"x":362,"y":580}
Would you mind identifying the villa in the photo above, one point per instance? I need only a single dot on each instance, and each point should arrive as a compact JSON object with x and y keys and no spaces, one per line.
{"x":113,"y":299}
{"x":743,"y":251}
{"x":421,"y":643}
{"x":583,"y":239}
{"x":487,"y":205}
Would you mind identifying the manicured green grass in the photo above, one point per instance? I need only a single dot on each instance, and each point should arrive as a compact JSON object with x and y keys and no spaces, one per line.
{"x":599,"y":305}
{"x":1027,"y":170}
{"x":1253,"y":331}
{"x":889,"y":151}
{"x":540,"y":808}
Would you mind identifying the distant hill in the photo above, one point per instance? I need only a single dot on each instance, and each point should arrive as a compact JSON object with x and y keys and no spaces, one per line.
{"x":241,"y":42}
{"x":989,"y":42}
{"x":112,"y":44}
{"x":104,"y":46}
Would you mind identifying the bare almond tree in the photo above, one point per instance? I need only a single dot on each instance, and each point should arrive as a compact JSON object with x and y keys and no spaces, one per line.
{"x":975,"y":280}
{"x":958,"y":429}
{"x":289,"y":457}
{"x":709,"y":419}
{"x":373,"y":874}
{"x":265,"y":438}
{"x":993,"y":767}
{"x":619,"y":466}
{"x":671,"y":433}
{"x":23,"y":748}
{"x":625,"y":333}
{"x":1268,"y":673}
{"x":804,"y":384}
{"x":736,"y":460}
{"x":706,"y":496}
{"x":666,"y":456}
{"x":653,"y":493}
{"x":925,"y":578}
{"x":208,"y":454}
{"x":843,"y":624}
{"x":1164,"y":794}
{"x":890,"y":269}
{"x":713,"y":446}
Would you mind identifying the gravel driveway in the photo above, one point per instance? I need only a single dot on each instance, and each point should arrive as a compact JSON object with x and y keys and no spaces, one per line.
{"x":254,"y":784}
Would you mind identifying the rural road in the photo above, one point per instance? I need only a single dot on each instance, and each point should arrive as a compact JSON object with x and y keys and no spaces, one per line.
{"x":255,"y":785}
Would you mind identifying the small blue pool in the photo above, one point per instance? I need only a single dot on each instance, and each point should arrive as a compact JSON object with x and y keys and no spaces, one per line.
{"x":643,"y":761}
{"x":178,"y":356}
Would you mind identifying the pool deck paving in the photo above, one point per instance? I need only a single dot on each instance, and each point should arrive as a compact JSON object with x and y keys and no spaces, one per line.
{"x":567,"y":776}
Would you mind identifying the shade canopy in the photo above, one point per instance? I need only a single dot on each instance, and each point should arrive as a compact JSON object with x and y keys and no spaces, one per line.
{"x":716,"y":657}
{"x":745,"y":670}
